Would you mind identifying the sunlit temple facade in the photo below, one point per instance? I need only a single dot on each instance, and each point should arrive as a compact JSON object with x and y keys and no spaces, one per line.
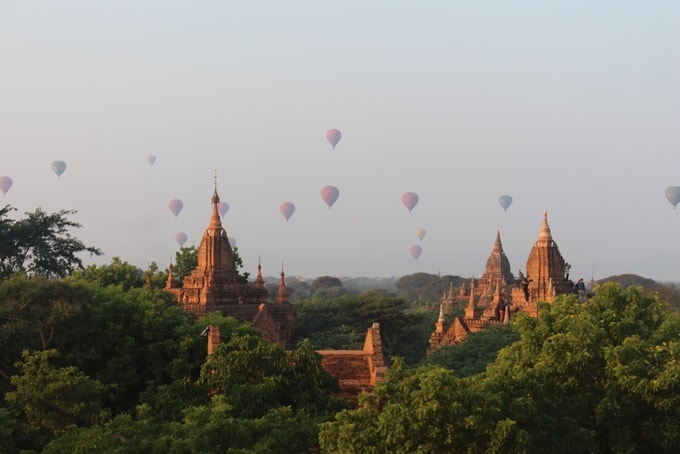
{"x":498,"y":295}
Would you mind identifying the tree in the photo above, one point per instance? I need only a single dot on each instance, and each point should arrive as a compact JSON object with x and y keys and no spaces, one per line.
{"x":326,"y":282}
{"x":116,"y":273}
{"x":186,"y":259}
{"x":426,"y":410}
{"x":341,"y":323}
{"x":594,"y":377}
{"x":475,"y":352}
{"x":424,"y":288}
{"x":255,"y":376}
{"x":34,"y":313}
{"x":41,"y":244}
{"x":130,"y":340}
{"x":48,"y":399}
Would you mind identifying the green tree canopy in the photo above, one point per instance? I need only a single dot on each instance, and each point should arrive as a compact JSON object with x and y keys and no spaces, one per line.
{"x":594,"y":377}
{"x":341,"y":323}
{"x":48,"y":399}
{"x":116,"y":273}
{"x":40,"y":244}
{"x":475,"y":352}
{"x":425,"y":288}
{"x":255,"y":376}
{"x":327,"y":282}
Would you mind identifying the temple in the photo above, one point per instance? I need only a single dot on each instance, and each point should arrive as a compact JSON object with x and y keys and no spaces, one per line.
{"x":216,"y":285}
{"x":498,"y":294}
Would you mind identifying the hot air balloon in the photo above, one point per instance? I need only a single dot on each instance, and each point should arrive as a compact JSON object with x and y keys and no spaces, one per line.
{"x":151,"y":159}
{"x":223,"y":207}
{"x":5,"y":184}
{"x":673,"y":195}
{"x":287,"y":209}
{"x":176,"y":206}
{"x":232,"y":241}
{"x":410,"y":200}
{"x":420,"y":233}
{"x":505,"y":201}
{"x":333,"y":136}
{"x":181,"y":238}
{"x":58,"y":167}
{"x":415,"y":251}
{"x":330,"y":194}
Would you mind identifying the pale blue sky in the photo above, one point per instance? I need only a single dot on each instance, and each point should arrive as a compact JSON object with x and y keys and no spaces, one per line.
{"x":572,"y":107}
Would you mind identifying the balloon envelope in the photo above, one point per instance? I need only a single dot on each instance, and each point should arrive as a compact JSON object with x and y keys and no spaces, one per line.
{"x":505,"y":201}
{"x":176,"y":206}
{"x":410,"y":200}
{"x":415,"y":251}
{"x":5,"y":184}
{"x":420,"y":233}
{"x":181,"y":238}
{"x":287,"y":209}
{"x":58,"y":167}
{"x":333,"y":136}
{"x":223,"y":207}
{"x":673,"y":195}
{"x":232,"y":241}
{"x":151,"y":159}
{"x":330,"y":194}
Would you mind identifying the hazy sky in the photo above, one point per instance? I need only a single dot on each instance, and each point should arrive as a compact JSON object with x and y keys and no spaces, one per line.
{"x":572,"y":107}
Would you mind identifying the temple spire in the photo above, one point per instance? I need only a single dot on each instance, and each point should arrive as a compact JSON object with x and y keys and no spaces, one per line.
{"x":259,"y":282}
{"x":497,"y":246}
{"x":171,"y":277}
{"x":282,"y":294}
{"x":545,"y":234}
{"x":215,"y":219}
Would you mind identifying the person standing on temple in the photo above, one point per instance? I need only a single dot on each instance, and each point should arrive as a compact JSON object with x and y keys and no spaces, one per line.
{"x":580,"y":287}
{"x":524,"y":285}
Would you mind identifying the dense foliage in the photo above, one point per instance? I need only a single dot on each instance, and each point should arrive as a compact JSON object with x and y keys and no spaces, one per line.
{"x":593,"y":377}
{"x":101,"y":359}
{"x":340,"y":323}
{"x":40,"y":244}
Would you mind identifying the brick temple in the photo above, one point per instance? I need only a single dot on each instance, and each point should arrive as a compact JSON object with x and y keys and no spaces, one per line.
{"x":216,"y":285}
{"x":498,"y":295}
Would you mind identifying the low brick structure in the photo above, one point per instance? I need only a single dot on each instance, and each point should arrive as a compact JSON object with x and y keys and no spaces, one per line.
{"x":357,"y":370}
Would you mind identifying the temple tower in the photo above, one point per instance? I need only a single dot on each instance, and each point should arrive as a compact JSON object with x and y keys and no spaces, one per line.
{"x":545,"y":269}
{"x":497,"y":266}
{"x":216,"y":285}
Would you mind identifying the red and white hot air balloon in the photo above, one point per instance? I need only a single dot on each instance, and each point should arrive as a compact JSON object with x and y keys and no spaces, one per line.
{"x":181,"y":238}
{"x":333,"y":136}
{"x":5,"y":184}
{"x":410,"y":200}
{"x":223,"y":207}
{"x":415,"y":251}
{"x":287,"y":209}
{"x":330,"y":194}
{"x":176,"y":206}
